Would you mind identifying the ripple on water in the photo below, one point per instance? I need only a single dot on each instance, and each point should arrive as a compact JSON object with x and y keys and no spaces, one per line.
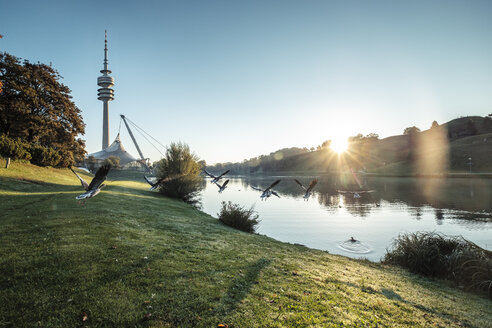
{"x":357,"y":246}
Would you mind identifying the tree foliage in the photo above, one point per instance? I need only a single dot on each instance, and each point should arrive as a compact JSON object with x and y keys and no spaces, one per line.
{"x":114,"y":161}
{"x":411,"y":130}
{"x":37,"y":108}
{"x":181,"y":168}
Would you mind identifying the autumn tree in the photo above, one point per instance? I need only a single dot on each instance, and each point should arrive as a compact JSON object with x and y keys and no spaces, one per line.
{"x":37,"y":108}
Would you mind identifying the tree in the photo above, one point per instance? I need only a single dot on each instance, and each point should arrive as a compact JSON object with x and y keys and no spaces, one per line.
{"x":371,"y":137}
{"x":411,"y":130}
{"x":37,"y":108}
{"x":326,"y":144}
{"x":181,"y":168}
{"x":434,"y":125}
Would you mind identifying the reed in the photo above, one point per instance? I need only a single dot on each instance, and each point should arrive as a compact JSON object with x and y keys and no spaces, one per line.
{"x":238,"y":217}
{"x":448,"y":257}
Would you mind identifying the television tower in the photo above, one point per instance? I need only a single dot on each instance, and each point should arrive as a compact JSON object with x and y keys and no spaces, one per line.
{"x":105,"y":93}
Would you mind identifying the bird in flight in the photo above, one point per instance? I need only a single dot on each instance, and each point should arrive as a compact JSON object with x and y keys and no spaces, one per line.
{"x":309,"y":189}
{"x":268,"y":191}
{"x":215,"y":178}
{"x":155,"y":185}
{"x":96,"y":184}
{"x":223,"y":186}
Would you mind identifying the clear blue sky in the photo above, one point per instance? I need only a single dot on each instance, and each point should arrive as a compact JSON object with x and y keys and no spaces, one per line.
{"x":240,"y":79}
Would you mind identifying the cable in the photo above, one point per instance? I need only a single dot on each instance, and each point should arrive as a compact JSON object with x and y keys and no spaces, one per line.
{"x":136,"y":126}
{"x":138,"y":130}
{"x":119,"y":128}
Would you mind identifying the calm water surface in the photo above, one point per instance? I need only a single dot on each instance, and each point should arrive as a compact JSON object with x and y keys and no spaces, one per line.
{"x":393,"y":206}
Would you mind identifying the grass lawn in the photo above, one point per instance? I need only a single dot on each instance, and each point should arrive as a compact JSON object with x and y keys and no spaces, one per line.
{"x":130,"y":257}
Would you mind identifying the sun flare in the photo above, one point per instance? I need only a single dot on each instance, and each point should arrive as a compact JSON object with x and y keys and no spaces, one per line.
{"x":339,"y":145}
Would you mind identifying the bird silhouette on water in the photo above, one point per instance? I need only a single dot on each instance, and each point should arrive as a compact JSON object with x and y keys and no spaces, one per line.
{"x":96,"y":184}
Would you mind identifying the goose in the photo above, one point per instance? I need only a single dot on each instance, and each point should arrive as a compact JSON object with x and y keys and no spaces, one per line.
{"x":96,"y":184}
{"x":308,"y":189}
{"x":223,"y":186}
{"x":353,"y":240}
{"x":155,"y":185}
{"x":268,"y":191}
{"x":215,"y":178}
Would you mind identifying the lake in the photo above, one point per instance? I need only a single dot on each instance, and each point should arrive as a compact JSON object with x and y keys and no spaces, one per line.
{"x":386,"y":208}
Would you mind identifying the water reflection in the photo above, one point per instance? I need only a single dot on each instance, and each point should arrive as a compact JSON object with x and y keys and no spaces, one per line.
{"x":386,"y":207}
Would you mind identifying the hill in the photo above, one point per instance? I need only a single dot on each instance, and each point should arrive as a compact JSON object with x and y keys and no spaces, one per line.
{"x":441,"y":149}
{"x":130,"y":257}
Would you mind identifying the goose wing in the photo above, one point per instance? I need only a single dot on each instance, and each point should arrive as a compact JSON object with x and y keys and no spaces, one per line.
{"x":300,"y":184}
{"x":148,"y":181}
{"x":275,"y":193}
{"x":84,"y":184}
{"x":311,"y":185}
{"x":209,"y":174}
{"x":100,"y":176}
{"x":225,"y":183}
{"x":272,"y":185}
{"x":256,"y":188}
{"x":223,"y":174}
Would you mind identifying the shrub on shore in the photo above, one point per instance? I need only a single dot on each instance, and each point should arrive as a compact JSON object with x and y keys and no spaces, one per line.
{"x":238,"y":217}
{"x":436,"y":255}
{"x":181,"y":172}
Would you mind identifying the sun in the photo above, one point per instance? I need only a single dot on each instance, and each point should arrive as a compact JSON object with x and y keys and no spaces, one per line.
{"x":339,"y":145}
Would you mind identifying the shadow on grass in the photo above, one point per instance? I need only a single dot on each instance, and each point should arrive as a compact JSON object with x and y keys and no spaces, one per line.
{"x":240,"y":287}
{"x":29,"y":185}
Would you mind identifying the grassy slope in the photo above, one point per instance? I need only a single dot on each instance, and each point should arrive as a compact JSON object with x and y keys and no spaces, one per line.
{"x":128,"y":253}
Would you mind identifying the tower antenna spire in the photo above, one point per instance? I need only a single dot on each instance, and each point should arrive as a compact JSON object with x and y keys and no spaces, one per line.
{"x":105,"y":51}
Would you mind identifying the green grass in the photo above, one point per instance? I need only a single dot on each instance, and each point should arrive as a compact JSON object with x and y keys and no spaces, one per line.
{"x":130,"y":257}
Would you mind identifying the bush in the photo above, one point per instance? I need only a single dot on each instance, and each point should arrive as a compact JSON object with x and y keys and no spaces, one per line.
{"x":114,"y":161}
{"x":238,"y":217}
{"x":14,"y":148}
{"x":182,"y":169}
{"x":436,"y":255}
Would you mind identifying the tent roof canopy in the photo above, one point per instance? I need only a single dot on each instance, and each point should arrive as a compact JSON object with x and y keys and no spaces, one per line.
{"x":115,"y":149}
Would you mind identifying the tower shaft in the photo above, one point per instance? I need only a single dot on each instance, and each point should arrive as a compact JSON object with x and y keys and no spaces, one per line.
{"x":105,"y":138}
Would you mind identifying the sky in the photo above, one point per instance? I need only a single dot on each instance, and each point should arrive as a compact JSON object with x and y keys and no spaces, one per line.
{"x":237,"y":79}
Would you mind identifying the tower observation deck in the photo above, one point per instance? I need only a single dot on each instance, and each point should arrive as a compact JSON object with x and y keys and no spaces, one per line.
{"x":105,"y":93}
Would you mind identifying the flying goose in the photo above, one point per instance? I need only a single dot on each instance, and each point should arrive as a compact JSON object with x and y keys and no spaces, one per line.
{"x":215,"y":178}
{"x":308,"y":189}
{"x":268,"y":191}
{"x":96,"y":184}
{"x":223,"y":186}
{"x":155,"y":185}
